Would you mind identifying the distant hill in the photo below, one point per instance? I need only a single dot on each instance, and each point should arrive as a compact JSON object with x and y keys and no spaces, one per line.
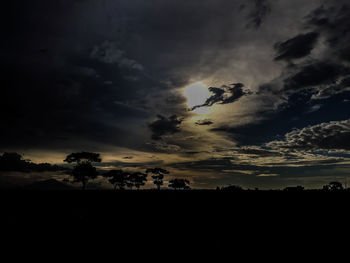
{"x":15,"y":162}
{"x":5,"y":184}
{"x":50,"y":184}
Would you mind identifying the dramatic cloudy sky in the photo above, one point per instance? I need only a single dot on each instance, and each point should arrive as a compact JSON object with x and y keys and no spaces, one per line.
{"x":248,"y":92}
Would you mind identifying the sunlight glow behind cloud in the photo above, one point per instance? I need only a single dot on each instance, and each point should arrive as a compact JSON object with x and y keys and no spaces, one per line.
{"x":197,"y":94}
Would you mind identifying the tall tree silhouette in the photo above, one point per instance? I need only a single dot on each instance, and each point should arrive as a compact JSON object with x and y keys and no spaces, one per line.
{"x":83,"y":170}
{"x":136,"y":179}
{"x":158,"y":175}
{"x":179,"y":184}
{"x":118,"y":178}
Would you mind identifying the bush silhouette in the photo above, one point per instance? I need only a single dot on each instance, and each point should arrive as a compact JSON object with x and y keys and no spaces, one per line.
{"x":118,"y":178}
{"x":12,"y":161}
{"x":179,"y":184}
{"x":136,"y":179}
{"x":232,"y":188}
{"x":333,"y":187}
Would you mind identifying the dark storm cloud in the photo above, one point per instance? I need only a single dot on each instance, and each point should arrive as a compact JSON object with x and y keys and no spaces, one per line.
{"x":327,"y":32}
{"x":333,"y":21}
{"x":87,"y":71}
{"x":165,"y":126}
{"x":50,"y":105}
{"x":316,"y":73}
{"x":108,"y":52}
{"x":321,"y":72}
{"x":296,"y":47}
{"x":60,"y":90}
{"x":224,"y":95}
{"x":329,"y":136}
{"x":193,"y":30}
{"x":329,"y":74}
{"x":258,"y":13}
{"x":92,"y":74}
{"x":294,"y":112}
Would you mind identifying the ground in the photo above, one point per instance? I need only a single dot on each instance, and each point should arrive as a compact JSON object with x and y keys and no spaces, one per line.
{"x":204,"y":222}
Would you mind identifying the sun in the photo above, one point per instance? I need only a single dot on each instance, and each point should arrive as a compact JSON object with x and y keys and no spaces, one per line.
{"x":197,"y":94}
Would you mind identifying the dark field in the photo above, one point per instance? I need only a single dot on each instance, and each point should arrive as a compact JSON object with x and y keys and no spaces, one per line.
{"x":196,"y":221}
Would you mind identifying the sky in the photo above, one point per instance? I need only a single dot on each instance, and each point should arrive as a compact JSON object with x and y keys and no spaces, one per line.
{"x":246,"y":92}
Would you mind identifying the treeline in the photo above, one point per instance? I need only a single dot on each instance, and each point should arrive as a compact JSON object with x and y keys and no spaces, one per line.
{"x":84,"y":171}
{"x":331,"y":187}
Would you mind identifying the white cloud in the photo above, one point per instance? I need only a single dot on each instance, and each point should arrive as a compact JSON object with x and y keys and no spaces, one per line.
{"x":267,"y":175}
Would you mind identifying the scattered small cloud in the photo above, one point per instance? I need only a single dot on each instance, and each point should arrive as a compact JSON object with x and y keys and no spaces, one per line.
{"x":267,"y":175}
{"x":108,"y":52}
{"x":328,"y":136}
{"x":314,"y":108}
{"x":161,"y":146}
{"x":224,"y":95}
{"x":205,"y":122}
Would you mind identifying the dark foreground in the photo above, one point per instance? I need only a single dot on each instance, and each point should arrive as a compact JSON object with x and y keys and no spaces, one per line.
{"x":204,"y":222}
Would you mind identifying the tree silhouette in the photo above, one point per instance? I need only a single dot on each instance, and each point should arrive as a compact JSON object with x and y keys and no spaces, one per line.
{"x":179,"y":184}
{"x":136,"y":179}
{"x":84,"y":170}
{"x":158,"y":175}
{"x":118,"y":178}
{"x":333,"y":187}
